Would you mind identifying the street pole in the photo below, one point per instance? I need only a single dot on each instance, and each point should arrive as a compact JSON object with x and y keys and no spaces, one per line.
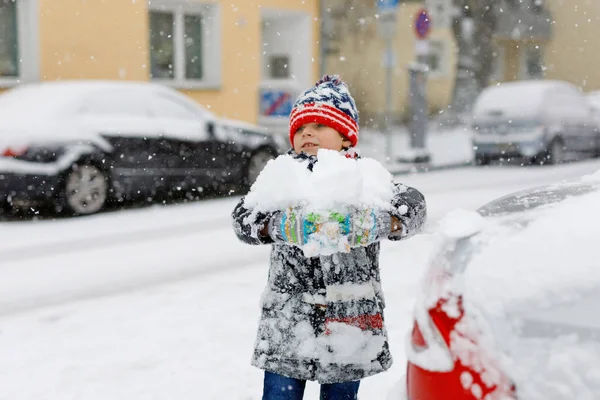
{"x":388,"y":100}
{"x":387,"y":21}
{"x":417,"y":88}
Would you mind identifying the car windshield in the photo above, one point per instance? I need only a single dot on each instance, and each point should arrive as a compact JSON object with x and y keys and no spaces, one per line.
{"x":531,"y":199}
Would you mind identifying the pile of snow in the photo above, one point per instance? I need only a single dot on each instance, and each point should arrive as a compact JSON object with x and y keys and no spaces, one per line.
{"x":559,"y":368}
{"x":461,"y":223}
{"x":335,"y":183}
{"x":335,"y":180}
{"x":595,"y":177}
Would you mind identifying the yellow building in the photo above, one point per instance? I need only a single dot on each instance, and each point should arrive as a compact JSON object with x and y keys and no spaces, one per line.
{"x":223,"y":54}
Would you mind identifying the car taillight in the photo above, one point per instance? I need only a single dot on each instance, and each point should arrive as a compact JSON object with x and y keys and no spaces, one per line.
{"x":417,"y":339}
{"x":14,"y":151}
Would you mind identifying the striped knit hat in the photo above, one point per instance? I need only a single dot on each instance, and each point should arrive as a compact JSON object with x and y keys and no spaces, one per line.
{"x":329,"y":103}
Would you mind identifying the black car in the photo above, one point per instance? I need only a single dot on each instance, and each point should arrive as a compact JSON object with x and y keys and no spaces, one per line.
{"x":77,"y":145}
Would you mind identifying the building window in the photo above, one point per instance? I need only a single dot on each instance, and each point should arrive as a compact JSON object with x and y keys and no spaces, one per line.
{"x":185,"y":43}
{"x":19,"y":47}
{"x":532,"y":65}
{"x":434,"y":58}
{"x":440,"y":13}
{"x":162,"y":49}
{"x":278,"y":67}
{"x":193,"y":46}
{"x":9,"y":40}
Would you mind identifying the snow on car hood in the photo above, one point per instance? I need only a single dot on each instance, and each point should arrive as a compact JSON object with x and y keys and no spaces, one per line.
{"x":241,"y":132}
{"x":548,"y":256}
{"x":24,"y":132}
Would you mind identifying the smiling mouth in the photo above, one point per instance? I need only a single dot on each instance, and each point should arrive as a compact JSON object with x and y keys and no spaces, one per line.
{"x":305,"y":145}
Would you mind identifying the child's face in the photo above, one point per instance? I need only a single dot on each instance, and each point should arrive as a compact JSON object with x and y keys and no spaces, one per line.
{"x":311,"y":137}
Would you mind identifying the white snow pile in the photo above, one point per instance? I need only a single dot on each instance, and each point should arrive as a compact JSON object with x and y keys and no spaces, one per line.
{"x":595,"y":177}
{"x":335,"y":183}
{"x":461,"y":223}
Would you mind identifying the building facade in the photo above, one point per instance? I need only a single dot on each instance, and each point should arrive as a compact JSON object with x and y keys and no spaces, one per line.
{"x":228,"y":57}
{"x":355,"y":49}
{"x":551,"y":39}
{"x":249,"y":59}
{"x":534,"y":39}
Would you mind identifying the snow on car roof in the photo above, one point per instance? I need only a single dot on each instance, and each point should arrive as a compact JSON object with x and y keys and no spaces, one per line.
{"x":42,"y":111}
{"x":49,"y":97}
{"x":515,"y":99}
{"x":58,"y":97}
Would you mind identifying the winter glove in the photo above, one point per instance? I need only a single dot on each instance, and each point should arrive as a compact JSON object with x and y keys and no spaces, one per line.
{"x":293,"y":226}
{"x":329,"y":232}
{"x":363,"y":226}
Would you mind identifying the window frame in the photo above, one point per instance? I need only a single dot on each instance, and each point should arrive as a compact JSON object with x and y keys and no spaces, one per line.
{"x":27,"y":45}
{"x":442,"y":71}
{"x":211,"y":43}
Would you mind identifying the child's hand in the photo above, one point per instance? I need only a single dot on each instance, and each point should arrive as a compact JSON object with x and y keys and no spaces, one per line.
{"x":363,"y":226}
{"x":330,"y":232}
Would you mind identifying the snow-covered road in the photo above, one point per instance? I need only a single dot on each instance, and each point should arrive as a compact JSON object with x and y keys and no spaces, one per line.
{"x":162,"y":302}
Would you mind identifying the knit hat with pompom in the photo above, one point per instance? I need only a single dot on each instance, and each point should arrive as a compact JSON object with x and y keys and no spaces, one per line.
{"x":329,"y":103}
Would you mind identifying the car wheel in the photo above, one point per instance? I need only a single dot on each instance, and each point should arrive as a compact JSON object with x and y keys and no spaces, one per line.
{"x":556,"y":152}
{"x":85,"y":190}
{"x":481,"y":160}
{"x":255,"y":165}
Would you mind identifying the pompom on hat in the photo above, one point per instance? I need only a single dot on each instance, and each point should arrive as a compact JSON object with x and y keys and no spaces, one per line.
{"x":329,"y":103}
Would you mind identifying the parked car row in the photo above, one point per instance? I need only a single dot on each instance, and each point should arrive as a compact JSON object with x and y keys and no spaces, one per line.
{"x":539,"y":121}
{"x":508,"y":304}
{"x":78,"y":145}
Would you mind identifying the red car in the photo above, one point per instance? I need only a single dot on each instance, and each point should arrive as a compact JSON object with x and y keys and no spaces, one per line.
{"x":460,"y":350}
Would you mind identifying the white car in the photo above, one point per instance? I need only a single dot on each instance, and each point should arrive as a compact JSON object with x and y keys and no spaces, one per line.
{"x":542,"y":121}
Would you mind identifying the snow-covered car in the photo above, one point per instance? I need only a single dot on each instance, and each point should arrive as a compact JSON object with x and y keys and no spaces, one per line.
{"x":79,"y":144}
{"x":509,"y":305}
{"x":538,"y":121}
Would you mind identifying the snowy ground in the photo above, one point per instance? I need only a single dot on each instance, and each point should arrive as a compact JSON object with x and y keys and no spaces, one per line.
{"x":162,"y":303}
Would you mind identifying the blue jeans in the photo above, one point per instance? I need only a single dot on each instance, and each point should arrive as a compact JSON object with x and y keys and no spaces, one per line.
{"x":278,"y":387}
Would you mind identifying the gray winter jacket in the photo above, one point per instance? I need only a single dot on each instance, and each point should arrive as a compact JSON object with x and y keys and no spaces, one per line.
{"x":292,"y":322}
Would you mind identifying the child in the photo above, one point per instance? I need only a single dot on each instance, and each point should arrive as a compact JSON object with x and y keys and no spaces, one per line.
{"x":321,"y":322}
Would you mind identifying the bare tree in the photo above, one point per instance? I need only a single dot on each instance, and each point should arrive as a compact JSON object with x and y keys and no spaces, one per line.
{"x":474,"y":25}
